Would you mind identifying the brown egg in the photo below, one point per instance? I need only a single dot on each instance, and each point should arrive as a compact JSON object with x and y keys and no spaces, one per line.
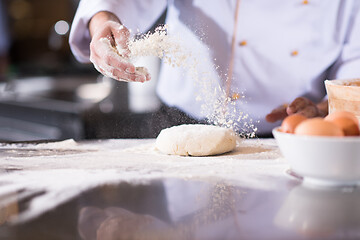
{"x":337,"y":114}
{"x":348,"y":126}
{"x":347,"y":121}
{"x":318,"y":127}
{"x":290,"y":122}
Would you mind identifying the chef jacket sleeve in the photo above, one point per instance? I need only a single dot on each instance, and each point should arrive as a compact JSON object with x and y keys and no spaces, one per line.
{"x":348,"y":64}
{"x":137,"y":15}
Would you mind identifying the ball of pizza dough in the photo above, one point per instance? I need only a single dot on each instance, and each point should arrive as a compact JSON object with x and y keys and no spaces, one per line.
{"x":196,"y":140}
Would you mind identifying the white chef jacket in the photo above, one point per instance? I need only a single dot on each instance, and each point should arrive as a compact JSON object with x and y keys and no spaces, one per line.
{"x":284,"y":48}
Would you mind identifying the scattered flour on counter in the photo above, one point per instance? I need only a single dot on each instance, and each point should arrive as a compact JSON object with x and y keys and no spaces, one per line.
{"x":61,"y":177}
{"x":56,"y":187}
{"x":67,"y":144}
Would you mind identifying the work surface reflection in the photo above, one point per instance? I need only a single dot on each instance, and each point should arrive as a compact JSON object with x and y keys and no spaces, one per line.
{"x":182,"y":209}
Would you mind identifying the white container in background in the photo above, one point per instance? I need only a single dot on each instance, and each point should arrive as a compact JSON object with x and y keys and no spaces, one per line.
{"x":142,"y":96}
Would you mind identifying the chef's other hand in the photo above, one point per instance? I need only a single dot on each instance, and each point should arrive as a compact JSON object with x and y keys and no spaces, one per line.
{"x":109,"y":51}
{"x":300,"y":105}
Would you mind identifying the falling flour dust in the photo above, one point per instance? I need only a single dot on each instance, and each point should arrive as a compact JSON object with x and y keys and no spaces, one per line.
{"x":219,"y":108}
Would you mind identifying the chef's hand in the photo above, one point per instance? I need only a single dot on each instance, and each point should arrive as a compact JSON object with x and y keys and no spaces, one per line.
{"x":109,"y":51}
{"x":300,"y":105}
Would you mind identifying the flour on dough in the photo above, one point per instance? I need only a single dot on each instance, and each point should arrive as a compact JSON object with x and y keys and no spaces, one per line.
{"x":196,"y":140}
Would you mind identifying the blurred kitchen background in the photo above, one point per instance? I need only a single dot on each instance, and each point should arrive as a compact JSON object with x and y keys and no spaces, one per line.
{"x":45,"y":94}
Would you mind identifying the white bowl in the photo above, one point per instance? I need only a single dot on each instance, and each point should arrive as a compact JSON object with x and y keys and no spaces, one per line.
{"x":322,"y":160}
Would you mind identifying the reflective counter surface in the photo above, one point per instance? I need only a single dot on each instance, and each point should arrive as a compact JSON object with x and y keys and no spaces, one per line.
{"x":71,"y":192}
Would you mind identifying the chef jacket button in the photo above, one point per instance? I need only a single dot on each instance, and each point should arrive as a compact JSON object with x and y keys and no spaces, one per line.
{"x":235,"y":96}
{"x":294,"y":53}
{"x":243,"y":43}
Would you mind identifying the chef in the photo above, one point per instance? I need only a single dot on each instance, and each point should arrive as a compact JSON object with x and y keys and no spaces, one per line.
{"x":270,"y":52}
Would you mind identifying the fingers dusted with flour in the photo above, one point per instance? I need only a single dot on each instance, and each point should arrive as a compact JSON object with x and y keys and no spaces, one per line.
{"x":121,"y":37}
{"x":109,"y":51}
